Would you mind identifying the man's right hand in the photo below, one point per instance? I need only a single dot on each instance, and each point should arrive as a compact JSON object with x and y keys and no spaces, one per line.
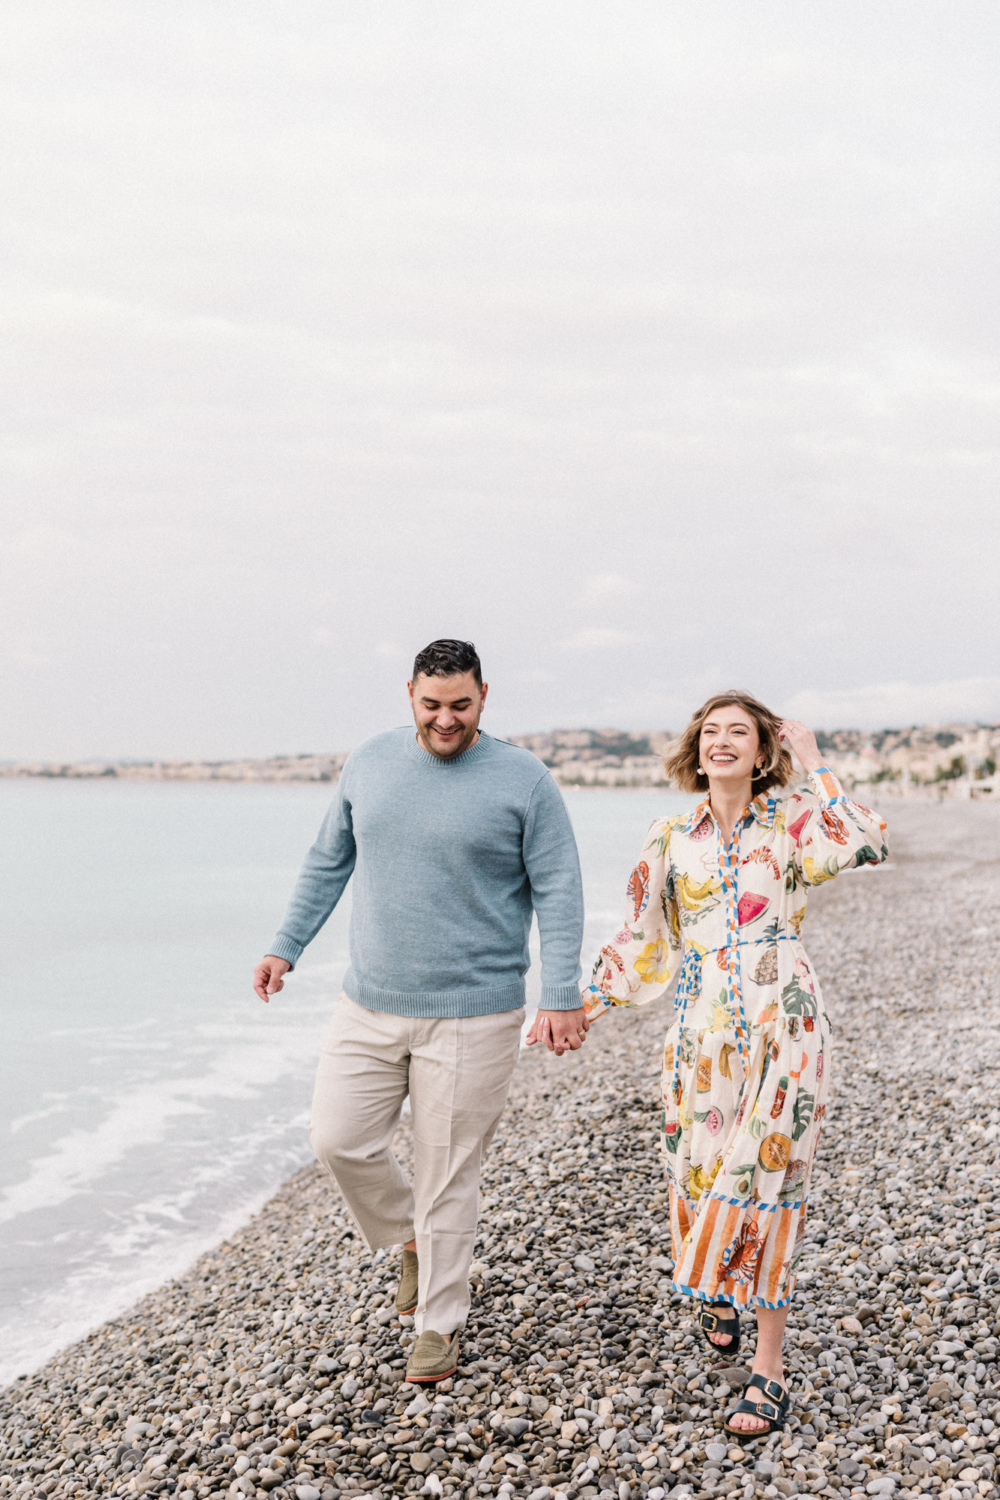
{"x":267,"y":977}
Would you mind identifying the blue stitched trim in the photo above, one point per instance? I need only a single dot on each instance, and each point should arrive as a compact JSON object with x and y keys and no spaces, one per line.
{"x":699,"y":1296}
{"x":754,"y":1203}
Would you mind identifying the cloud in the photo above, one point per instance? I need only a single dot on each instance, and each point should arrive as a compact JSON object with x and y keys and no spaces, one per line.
{"x":606,"y":586}
{"x":599,"y":638}
{"x":577,"y":340}
{"x":890,"y":705}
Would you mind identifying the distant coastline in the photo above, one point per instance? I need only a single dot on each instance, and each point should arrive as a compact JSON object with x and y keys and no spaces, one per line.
{"x":940,"y":760}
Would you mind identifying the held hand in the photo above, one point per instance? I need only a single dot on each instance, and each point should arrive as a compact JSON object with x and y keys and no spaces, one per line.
{"x":267,"y":980}
{"x":802,"y":740}
{"x":560,"y":1030}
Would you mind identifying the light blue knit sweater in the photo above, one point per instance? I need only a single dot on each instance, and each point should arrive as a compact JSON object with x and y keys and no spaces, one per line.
{"x":449,"y":857}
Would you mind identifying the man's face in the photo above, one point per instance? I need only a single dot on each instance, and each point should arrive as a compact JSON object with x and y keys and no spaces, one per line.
{"x":446,"y":711}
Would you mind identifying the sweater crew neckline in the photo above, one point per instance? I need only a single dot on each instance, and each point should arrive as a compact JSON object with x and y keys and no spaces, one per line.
{"x":438,"y":762}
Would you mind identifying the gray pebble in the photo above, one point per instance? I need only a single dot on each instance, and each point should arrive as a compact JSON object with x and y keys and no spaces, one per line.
{"x":578,"y":1291}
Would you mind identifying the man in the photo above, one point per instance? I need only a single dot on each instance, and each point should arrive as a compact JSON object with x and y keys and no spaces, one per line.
{"x":453,"y":837}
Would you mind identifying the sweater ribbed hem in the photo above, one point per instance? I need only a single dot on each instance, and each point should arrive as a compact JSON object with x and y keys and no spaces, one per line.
{"x":435,"y":1004}
{"x":286,"y":948}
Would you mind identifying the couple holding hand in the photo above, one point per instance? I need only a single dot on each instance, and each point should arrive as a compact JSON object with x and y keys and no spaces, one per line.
{"x":453,"y":839}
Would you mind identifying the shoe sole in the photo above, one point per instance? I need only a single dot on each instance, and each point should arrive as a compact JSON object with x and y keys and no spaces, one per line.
{"x":406,"y":1312}
{"x":430,"y":1379}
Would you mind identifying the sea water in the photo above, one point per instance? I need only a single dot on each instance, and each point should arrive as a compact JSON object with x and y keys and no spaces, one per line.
{"x":150,"y":1101}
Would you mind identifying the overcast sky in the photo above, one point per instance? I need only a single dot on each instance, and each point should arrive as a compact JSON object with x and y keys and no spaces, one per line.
{"x":653,"y":347}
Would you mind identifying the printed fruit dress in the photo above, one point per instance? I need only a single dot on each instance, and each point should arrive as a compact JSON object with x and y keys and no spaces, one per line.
{"x":745,"y":1065}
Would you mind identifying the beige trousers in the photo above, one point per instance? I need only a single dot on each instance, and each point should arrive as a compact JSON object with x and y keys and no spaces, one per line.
{"x":457,"y":1072}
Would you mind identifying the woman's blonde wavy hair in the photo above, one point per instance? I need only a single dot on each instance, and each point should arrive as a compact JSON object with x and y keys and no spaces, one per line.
{"x":681,"y":762}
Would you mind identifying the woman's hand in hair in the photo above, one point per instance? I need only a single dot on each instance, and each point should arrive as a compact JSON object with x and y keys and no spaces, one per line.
{"x":802,"y":742}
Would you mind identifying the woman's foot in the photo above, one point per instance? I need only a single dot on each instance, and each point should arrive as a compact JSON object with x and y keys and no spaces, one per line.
{"x":720,"y":1323}
{"x":769,"y":1392}
{"x":768,"y":1372}
{"x":724,"y":1340}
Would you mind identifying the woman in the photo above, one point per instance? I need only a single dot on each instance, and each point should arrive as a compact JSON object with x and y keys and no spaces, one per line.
{"x":717,"y":898}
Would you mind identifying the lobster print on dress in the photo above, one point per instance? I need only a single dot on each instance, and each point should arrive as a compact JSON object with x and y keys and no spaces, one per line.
{"x":745,"y":1073}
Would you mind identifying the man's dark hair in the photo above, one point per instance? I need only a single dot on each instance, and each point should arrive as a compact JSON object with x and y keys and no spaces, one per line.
{"x":448,"y":659}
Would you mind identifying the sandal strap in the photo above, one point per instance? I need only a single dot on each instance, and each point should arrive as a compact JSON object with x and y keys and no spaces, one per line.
{"x":713,"y":1323}
{"x":773,"y":1389}
{"x":762,"y":1409}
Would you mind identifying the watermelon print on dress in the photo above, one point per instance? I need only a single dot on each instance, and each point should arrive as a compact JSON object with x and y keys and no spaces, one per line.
{"x":750,"y":907}
{"x":745,"y":1074}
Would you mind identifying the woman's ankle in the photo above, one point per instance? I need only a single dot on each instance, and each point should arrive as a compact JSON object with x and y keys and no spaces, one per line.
{"x":770,"y":1369}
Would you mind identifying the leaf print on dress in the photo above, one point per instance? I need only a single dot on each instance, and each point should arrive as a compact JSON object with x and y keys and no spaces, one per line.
{"x":657,"y":845}
{"x":802,"y":1111}
{"x":796,"y":1001}
{"x":638,"y":889}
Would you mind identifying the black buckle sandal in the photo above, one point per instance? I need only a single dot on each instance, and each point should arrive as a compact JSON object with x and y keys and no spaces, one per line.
{"x":773,"y":1410}
{"x":709,"y":1321}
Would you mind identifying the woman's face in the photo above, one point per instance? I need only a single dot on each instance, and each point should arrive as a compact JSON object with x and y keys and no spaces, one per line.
{"x":729,"y":745}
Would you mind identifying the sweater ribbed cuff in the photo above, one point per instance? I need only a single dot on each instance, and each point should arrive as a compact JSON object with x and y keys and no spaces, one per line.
{"x":560,"y":997}
{"x":286,"y":948}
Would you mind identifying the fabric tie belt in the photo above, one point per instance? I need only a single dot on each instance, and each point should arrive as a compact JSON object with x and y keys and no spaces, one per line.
{"x":689,"y":988}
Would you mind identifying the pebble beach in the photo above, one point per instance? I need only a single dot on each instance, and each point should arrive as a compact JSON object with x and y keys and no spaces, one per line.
{"x":275,"y":1366}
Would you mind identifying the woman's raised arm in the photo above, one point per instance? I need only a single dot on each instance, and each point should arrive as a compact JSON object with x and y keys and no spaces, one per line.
{"x":831,"y":833}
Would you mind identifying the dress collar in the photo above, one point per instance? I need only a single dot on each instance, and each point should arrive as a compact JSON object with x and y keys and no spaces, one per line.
{"x":762,"y":808}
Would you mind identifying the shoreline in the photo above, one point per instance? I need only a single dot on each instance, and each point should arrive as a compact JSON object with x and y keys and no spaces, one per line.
{"x":256,"y":1368}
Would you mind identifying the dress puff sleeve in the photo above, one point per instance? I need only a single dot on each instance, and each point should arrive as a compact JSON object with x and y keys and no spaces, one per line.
{"x":642,"y":959}
{"x":830,"y":833}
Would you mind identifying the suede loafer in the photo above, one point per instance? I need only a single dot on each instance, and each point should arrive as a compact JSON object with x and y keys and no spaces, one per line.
{"x":406,"y":1295}
{"x":432,"y":1358}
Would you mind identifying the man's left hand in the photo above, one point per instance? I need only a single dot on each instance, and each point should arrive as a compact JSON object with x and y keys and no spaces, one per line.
{"x":560,"y":1030}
